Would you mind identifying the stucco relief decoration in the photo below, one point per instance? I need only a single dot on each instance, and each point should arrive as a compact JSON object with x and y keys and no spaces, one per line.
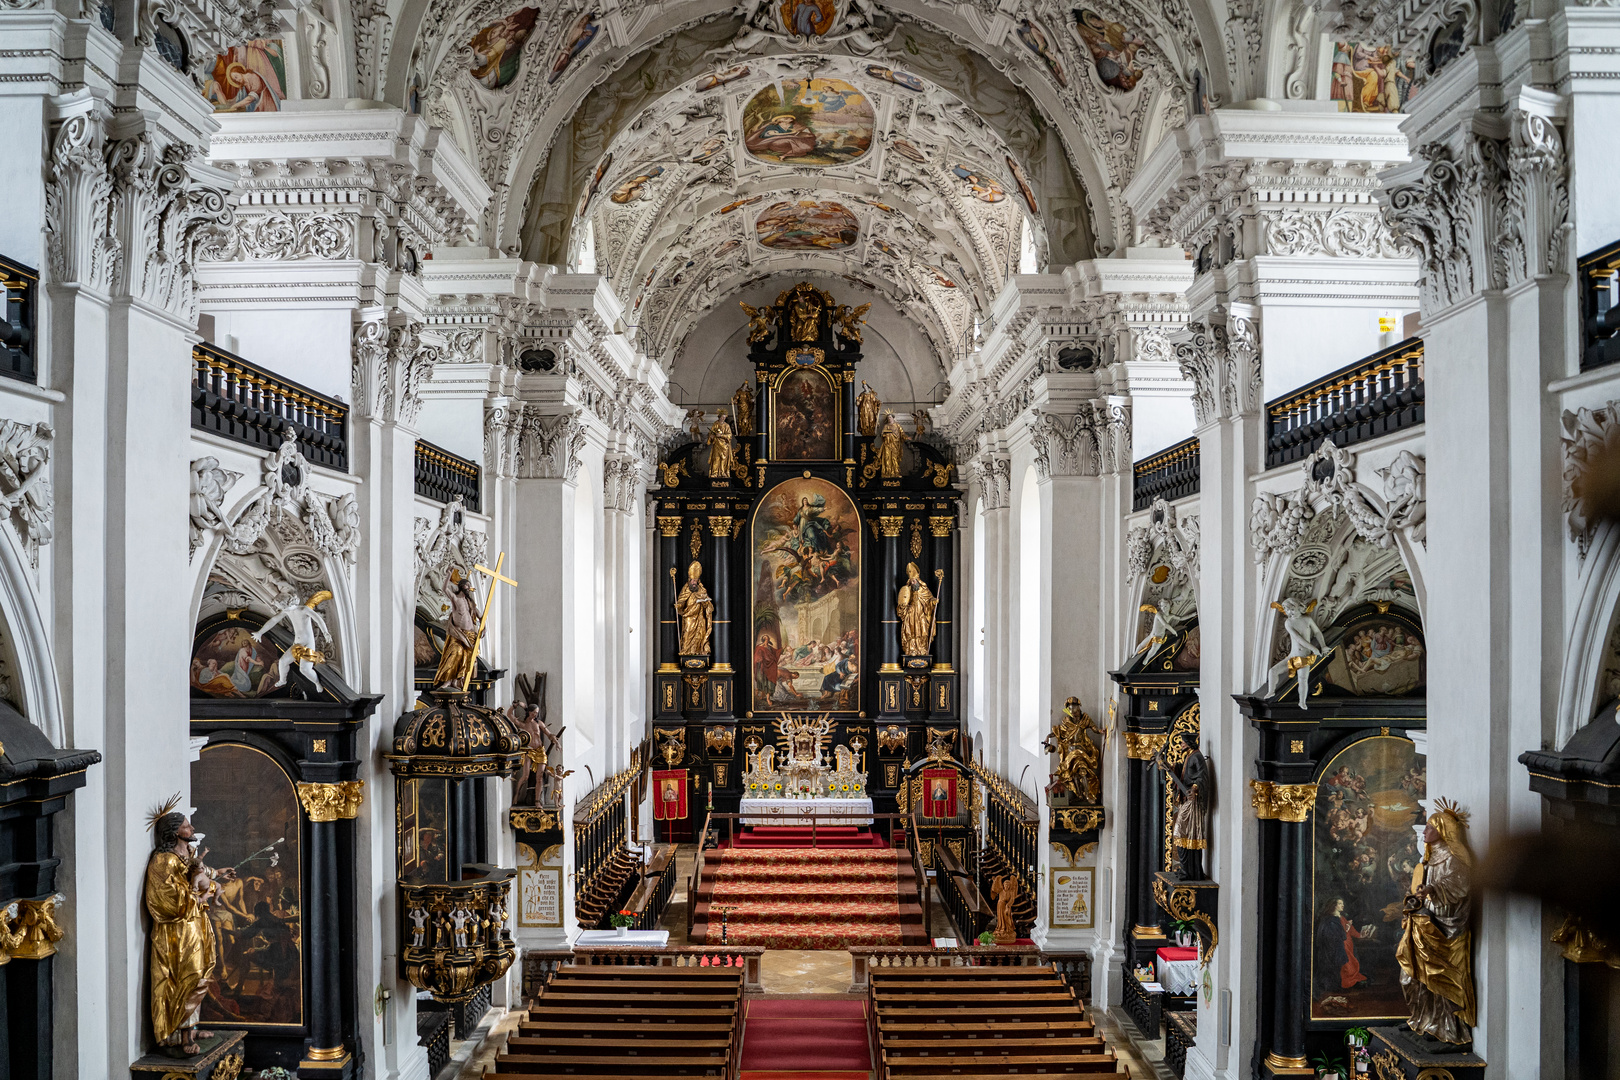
{"x":810,"y":24}
{"x":284,"y":495}
{"x":441,"y":545}
{"x":550,"y":446}
{"x":1449,"y":218}
{"x":209,"y":486}
{"x":391,"y":365}
{"x":1589,"y":435}
{"x":281,"y":236}
{"x":1278,"y":520}
{"x":1199,"y":361}
{"x":1094,"y":441}
{"x":1337,"y":233}
{"x":1168,"y":538}
{"x":25,"y":483}
{"x":78,"y":197}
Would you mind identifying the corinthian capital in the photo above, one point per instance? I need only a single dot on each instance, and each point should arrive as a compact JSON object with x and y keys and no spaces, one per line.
{"x":391,"y":365}
{"x":81,"y":246}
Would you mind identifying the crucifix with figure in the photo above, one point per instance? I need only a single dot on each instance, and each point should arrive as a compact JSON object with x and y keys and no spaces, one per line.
{"x":494,"y":576}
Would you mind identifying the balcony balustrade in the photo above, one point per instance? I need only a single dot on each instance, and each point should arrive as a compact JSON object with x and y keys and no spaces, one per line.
{"x":441,"y":476}
{"x":246,"y":403}
{"x":1170,"y":474}
{"x":1370,"y":398}
{"x":1598,"y":277}
{"x":19,"y":288}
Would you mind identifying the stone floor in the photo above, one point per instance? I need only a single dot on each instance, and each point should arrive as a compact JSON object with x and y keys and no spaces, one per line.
{"x":805,"y":971}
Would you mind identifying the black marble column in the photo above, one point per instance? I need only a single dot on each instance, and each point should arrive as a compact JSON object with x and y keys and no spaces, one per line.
{"x":849,"y":416}
{"x":892,"y":695}
{"x":762,"y":411}
{"x":667,"y":689}
{"x":721,"y":685}
{"x":943,"y":528}
{"x":1291,"y":988}
{"x":328,"y":806}
{"x":1147,"y":853}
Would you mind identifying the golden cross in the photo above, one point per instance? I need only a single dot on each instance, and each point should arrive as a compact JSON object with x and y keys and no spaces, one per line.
{"x":489,"y":600}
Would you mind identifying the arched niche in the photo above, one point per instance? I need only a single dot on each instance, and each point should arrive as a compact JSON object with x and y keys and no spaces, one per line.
{"x":28,"y":678}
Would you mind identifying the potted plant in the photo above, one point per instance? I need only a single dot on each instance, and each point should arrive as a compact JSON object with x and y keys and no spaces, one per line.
{"x":623,"y":921}
{"x":1356,"y":1039}
{"x":1329,"y":1068}
{"x":1184,"y":931}
{"x":987,"y":938}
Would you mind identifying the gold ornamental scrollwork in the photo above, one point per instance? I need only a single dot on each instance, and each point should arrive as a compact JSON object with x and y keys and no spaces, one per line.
{"x":720,"y":526}
{"x":229,"y":1068}
{"x":537,"y":821}
{"x":1080,"y":819}
{"x":1181,"y":903}
{"x":34,"y":934}
{"x":941,"y":526}
{"x":331,"y":802}
{"x":1282,"y":802}
{"x":890,"y":526}
{"x":669,"y":526}
{"x":1142,"y":747}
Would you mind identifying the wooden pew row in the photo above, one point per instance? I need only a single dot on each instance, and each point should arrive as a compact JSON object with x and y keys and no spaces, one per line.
{"x":615,"y":1023}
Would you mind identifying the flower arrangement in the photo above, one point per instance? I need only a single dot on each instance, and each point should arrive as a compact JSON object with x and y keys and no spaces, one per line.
{"x":622,"y":919}
{"x":987,"y":938}
{"x":1356,"y":1039}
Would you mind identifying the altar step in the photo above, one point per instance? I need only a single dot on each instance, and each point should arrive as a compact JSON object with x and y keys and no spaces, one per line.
{"x":800,"y":836}
{"x":803,"y":898}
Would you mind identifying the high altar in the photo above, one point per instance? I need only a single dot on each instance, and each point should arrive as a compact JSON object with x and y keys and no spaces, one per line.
{"x":810,"y":537}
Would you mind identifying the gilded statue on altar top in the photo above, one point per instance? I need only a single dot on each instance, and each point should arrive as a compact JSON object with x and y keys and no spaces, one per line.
{"x":695,"y":609}
{"x":742,"y":410}
{"x":460,"y":630}
{"x":722,"y":452}
{"x":915,"y":610}
{"x":867,"y":410}
{"x":1079,"y":757}
{"x":178,"y":890}
{"x":804,"y":313}
{"x":759,"y":321}
{"x":891,"y":448}
{"x":1437,"y":969}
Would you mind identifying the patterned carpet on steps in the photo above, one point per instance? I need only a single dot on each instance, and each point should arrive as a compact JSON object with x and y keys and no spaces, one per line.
{"x":805,"y":899}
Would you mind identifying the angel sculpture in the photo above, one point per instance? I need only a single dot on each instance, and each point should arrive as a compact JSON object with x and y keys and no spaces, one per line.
{"x":1164,"y":626}
{"x":1305,"y":646}
{"x":759,"y":321}
{"x":850,"y":319}
{"x":1005,"y":890}
{"x":305,"y":622}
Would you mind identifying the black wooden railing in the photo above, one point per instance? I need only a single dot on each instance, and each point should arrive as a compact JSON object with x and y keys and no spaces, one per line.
{"x":1372,"y":397}
{"x":1599,"y":277}
{"x":441,"y":476}
{"x":1170,"y":474}
{"x":18,"y":313}
{"x":248,"y":404}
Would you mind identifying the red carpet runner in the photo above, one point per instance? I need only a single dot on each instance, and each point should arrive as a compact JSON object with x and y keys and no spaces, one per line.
{"x":795,"y":1039}
{"x":802,"y":898}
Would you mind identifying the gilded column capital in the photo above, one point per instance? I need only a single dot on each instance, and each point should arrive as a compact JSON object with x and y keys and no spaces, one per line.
{"x":720,"y":525}
{"x":942,"y":526}
{"x":1141,"y":747}
{"x":889,"y":526}
{"x":669,"y":526}
{"x":1283,"y":802}
{"x":32,"y":934}
{"x":331,"y":802}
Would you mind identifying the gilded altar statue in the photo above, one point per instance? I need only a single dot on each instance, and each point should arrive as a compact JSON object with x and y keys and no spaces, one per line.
{"x":915,"y":610}
{"x":759,"y":321}
{"x":1005,"y":891}
{"x":695,"y":610}
{"x":849,"y":320}
{"x":742,"y":408}
{"x":1079,"y":758}
{"x":890,"y":448}
{"x":1191,"y":786}
{"x":722,"y":453}
{"x":804,"y":314}
{"x":867,"y":410}
{"x":460,"y":630}
{"x":1437,"y":970}
{"x":183,"y":949}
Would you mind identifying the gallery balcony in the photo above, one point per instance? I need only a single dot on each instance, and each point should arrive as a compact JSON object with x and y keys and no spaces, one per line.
{"x":1370,"y":398}
{"x":1598,"y":277}
{"x":1170,"y":474}
{"x":441,"y":476}
{"x":245,"y":403}
{"x":19,"y":288}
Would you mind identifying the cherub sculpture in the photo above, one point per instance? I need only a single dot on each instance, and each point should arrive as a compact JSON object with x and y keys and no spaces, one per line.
{"x":305,"y":622}
{"x":1306,"y":645}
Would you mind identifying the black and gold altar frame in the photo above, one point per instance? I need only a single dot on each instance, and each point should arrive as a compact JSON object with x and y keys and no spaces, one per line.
{"x":1156,"y":700}
{"x":1296,"y":747}
{"x":912,"y":518}
{"x":315,"y":734}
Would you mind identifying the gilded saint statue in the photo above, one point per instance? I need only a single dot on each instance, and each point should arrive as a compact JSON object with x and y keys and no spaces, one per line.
{"x":183,"y":950}
{"x":759,"y":321}
{"x":742,"y":408}
{"x":1005,"y":891}
{"x":722,"y":453}
{"x":460,"y":628}
{"x":804,"y":315}
{"x":890,"y":448}
{"x":915,"y":610}
{"x":695,"y":610}
{"x":1079,"y":757}
{"x":1437,"y":971}
{"x":867,"y":410}
{"x":1189,"y":821}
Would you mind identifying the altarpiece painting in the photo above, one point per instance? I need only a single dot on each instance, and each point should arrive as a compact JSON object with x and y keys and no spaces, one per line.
{"x":248,"y":819}
{"x":806,"y":417}
{"x":1364,"y":849}
{"x":807,"y":598}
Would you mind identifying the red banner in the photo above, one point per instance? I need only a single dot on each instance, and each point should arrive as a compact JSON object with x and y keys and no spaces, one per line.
{"x":669,"y":794}
{"x":939,"y":793}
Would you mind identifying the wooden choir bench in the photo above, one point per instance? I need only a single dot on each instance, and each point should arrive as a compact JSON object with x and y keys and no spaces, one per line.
{"x":971,"y":1022}
{"x":626,"y":1023}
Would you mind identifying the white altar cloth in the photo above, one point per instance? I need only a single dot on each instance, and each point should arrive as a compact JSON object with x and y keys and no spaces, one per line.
{"x":656,"y":939}
{"x":804,"y":811}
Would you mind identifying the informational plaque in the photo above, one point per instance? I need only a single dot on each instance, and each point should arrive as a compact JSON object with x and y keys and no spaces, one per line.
{"x":540,"y":887}
{"x":1072,"y":899}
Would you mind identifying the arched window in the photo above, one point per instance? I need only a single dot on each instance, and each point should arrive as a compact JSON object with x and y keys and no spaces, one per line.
{"x":978,"y":617}
{"x":1028,"y":261}
{"x":1029,"y":611}
{"x":585,"y":257}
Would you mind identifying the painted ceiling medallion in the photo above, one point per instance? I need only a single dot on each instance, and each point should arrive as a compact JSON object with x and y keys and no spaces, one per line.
{"x":809,"y":122}
{"x":807,"y":225}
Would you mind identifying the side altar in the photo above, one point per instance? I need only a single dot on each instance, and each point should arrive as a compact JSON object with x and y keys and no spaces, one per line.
{"x":808,"y":563}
